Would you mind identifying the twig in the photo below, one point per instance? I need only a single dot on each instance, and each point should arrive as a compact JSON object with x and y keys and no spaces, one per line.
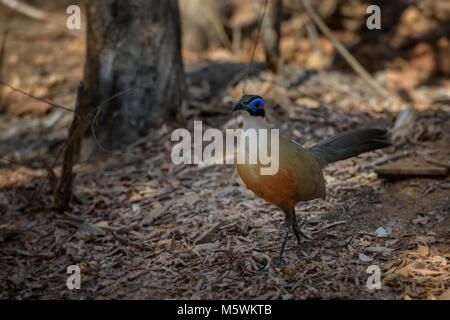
{"x":438,"y":163}
{"x":97,"y":110}
{"x":313,"y":35}
{"x":25,"y":9}
{"x":208,"y":234}
{"x":254,"y":47}
{"x":84,"y":226}
{"x":329,"y":225}
{"x":137,"y":274}
{"x":155,"y":214}
{"x":390,"y":157}
{"x":36,"y":98}
{"x":428,"y":190}
{"x":245,"y":225}
{"x":356,"y":66}
{"x":414,"y":172}
{"x":37,"y":14}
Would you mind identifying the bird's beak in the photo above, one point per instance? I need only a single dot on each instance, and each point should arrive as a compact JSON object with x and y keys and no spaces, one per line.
{"x":238,"y":106}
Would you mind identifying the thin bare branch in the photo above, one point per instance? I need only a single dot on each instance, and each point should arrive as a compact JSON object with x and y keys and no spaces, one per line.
{"x":356,"y":66}
{"x":37,"y":98}
{"x":254,"y":46}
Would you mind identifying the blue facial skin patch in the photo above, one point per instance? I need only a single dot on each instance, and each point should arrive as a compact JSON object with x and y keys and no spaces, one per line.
{"x":252,"y":105}
{"x":261,"y":103}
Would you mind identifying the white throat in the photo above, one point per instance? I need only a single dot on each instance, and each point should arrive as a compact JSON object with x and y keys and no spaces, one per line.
{"x":258,"y":146}
{"x":252,"y":122}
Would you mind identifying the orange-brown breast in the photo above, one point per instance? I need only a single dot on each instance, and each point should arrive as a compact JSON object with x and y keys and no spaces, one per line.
{"x":299,"y":177}
{"x":278,"y":189}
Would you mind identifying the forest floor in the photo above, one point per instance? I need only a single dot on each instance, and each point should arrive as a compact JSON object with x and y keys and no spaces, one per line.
{"x":143,"y":228}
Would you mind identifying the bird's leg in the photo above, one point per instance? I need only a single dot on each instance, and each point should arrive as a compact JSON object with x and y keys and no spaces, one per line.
{"x":291,"y":219}
{"x":285,"y":235}
{"x":290,"y":222}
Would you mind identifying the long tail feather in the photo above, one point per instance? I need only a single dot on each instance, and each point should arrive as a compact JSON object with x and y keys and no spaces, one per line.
{"x":349,"y":144}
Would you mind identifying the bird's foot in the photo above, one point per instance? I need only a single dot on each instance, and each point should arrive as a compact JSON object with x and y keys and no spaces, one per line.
{"x":298,"y":232}
{"x":279,"y":263}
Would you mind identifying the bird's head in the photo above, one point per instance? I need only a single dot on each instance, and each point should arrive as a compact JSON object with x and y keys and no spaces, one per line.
{"x":251,"y":103}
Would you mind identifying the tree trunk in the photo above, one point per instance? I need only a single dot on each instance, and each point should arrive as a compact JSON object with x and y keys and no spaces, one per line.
{"x":132,"y":46}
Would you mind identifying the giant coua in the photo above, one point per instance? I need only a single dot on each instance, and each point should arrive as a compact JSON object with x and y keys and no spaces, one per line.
{"x":299,"y":176}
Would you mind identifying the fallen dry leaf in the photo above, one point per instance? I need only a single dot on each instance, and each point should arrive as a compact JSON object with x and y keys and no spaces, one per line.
{"x":423,"y":250}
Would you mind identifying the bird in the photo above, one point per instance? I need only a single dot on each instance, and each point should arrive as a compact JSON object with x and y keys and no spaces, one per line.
{"x":299,"y":176}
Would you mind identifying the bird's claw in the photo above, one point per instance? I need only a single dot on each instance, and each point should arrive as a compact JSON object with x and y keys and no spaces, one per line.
{"x":299,"y":233}
{"x":278,"y":263}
